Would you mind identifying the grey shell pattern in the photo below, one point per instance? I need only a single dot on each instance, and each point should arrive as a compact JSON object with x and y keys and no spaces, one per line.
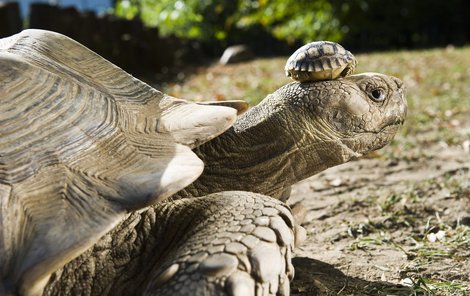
{"x":320,"y":60}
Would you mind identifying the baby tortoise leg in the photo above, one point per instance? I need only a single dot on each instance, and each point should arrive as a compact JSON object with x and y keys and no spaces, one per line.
{"x":234,"y":243}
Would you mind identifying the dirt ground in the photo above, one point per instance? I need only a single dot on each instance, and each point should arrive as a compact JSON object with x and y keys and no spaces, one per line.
{"x":396,"y":222}
{"x":387,"y":227}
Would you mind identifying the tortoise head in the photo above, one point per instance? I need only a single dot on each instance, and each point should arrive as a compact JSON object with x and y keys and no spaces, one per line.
{"x":358,"y":113}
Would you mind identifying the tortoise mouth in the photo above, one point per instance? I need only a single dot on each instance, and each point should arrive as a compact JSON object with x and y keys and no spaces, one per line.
{"x":392,"y":124}
{"x":395,"y":122}
{"x":369,"y":141}
{"x":386,"y":135}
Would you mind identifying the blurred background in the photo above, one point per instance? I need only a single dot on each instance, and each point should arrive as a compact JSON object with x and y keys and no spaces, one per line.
{"x":159,"y":36}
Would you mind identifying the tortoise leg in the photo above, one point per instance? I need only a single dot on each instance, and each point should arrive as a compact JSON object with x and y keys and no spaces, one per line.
{"x":229,"y":243}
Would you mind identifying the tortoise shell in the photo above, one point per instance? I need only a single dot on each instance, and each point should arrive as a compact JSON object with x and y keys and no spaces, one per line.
{"x":320,"y":60}
{"x":82,"y":144}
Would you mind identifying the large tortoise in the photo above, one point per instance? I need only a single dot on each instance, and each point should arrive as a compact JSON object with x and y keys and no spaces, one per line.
{"x":100,"y":192}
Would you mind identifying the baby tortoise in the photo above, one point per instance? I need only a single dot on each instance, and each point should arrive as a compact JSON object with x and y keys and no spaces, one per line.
{"x":320,"y":60}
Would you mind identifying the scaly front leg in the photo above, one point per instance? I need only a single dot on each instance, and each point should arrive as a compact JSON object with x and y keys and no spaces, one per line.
{"x":229,"y":243}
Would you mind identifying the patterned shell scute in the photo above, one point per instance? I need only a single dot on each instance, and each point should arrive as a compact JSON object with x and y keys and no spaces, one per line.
{"x":320,"y":60}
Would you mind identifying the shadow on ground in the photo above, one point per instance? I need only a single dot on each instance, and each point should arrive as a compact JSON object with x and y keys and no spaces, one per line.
{"x":313,"y":277}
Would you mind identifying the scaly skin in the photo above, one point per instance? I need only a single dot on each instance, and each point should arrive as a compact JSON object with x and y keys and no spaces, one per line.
{"x":239,"y":243}
{"x":241,"y":238}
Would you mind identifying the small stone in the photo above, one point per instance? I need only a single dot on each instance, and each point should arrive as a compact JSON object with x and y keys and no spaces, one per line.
{"x":407,"y":282}
{"x":219,"y":265}
{"x":431,"y":237}
{"x":438,"y":236}
{"x":441,"y":234}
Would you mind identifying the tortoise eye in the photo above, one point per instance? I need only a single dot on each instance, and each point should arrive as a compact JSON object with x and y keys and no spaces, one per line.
{"x":377,"y":95}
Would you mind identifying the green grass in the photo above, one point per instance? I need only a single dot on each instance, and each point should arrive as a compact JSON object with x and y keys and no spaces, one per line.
{"x":426,"y":286}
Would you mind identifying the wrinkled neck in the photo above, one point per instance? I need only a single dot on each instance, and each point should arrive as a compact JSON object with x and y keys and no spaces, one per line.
{"x":266,"y":151}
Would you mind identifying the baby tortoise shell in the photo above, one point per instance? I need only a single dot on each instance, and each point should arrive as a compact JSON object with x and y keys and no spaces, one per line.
{"x":320,"y":60}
